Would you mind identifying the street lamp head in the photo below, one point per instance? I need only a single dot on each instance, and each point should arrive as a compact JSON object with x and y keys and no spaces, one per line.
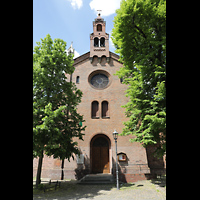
{"x":115,"y":135}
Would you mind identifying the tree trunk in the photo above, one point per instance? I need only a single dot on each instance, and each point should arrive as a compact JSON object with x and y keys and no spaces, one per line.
{"x":62,"y":173}
{"x":39,"y":170}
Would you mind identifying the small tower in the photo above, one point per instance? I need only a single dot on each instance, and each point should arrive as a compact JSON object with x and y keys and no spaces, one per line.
{"x":99,"y":40}
{"x":70,"y":49}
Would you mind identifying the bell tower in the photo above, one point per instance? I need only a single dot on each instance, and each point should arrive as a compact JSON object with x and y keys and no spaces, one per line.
{"x":99,"y":40}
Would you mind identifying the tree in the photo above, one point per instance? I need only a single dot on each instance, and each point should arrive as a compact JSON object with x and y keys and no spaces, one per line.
{"x":55,"y":117}
{"x":139,"y":35}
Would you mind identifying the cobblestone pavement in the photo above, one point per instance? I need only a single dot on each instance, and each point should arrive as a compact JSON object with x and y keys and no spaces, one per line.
{"x":141,"y":190}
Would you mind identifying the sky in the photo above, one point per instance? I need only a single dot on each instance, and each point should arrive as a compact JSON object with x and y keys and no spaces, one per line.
{"x":72,"y":21}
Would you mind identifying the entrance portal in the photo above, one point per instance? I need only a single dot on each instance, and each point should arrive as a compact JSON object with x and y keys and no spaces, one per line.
{"x":100,"y":154}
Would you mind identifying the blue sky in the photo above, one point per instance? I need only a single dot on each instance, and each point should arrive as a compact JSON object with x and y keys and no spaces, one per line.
{"x":71,"y":20}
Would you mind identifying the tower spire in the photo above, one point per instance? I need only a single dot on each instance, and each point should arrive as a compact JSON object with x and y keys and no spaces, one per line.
{"x":70,"y":49}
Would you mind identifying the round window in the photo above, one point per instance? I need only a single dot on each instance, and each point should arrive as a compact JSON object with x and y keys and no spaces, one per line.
{"x":99,"y":79}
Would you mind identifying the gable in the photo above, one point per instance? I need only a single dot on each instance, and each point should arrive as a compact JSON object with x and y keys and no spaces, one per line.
{"x":86,"y":56}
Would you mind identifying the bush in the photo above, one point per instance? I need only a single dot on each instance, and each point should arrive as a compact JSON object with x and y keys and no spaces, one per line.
{"x":40,"y":187}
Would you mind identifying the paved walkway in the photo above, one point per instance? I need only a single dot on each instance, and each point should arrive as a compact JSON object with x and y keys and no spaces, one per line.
{"x":141,"y":190}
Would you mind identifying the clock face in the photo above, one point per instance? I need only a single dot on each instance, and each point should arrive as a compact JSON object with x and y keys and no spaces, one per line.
{"x":99,"y":80}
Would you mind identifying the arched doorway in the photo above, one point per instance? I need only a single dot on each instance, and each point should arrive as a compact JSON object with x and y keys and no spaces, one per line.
{"x":99,"y":152}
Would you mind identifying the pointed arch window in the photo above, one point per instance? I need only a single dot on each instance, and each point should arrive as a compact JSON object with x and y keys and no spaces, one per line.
{"x":95,"y":110}
{"x":105,"y":109}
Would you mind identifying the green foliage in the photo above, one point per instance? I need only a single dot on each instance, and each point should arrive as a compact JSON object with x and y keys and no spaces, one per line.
{"x":139,"y":35}
{"x":55,"y":117}
{"x":40,"y":187}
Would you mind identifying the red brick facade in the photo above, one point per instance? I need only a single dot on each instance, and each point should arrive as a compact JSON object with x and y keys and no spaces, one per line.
{"x":99,"y":60}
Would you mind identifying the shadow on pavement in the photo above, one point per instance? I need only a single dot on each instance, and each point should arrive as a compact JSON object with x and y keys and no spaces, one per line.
{"x":72,"y":190}
{"x":161,"y":181}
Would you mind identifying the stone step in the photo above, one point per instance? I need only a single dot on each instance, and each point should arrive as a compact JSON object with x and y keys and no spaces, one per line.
{"x":96,"y":182}
{"x":97,"y":179}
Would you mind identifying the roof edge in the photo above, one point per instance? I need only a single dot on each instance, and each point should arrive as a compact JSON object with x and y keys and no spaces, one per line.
{"x":81,"y":58}
{"x":114,"y":56}
{"x":87,"y":56}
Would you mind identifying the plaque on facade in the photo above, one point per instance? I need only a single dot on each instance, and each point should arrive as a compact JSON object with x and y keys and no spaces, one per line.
{"x":80,"y":159}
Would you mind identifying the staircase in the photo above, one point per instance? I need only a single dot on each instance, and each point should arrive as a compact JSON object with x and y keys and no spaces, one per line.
{"x":92,"y":179}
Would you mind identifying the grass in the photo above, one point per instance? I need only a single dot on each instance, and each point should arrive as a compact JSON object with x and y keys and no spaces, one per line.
{"x":68,"y":185}
{"x":126,"y":186}
{"x":49,"y":188}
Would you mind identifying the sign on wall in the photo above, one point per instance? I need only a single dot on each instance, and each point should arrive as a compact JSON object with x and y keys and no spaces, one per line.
{"x":80,"y":159}
{"x":122,"y":157}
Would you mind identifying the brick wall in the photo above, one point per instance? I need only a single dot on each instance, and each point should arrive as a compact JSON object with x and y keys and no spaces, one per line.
{"x":115,"y":95}
{"x":137,"y":164}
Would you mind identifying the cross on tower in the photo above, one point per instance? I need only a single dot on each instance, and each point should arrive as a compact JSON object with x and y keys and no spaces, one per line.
{"x":99,"y":14}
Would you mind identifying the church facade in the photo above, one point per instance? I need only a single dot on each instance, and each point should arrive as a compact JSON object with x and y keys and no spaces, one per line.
{"x":103,"y":96}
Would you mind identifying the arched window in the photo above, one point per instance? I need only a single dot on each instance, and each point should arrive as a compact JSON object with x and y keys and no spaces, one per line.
{"x":105,"y":110}
{"x":77,"y":79}
{"x":95,"y":109}
{"x":96,"y":42}
{"x":102,"y":42}
{"x":99,"y":27}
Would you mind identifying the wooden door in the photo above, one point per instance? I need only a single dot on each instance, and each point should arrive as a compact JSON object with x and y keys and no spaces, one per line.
{"x":100,"y":157}
{"x":105,"y":159}
{"x":96,"y":159}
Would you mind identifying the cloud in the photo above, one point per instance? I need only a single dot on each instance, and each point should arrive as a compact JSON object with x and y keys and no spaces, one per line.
{"x":76,"y":3}
{"x":108,"y":7}
{"x":76,"y":54}
{"x":111,"y":45}
{"x":111,"y":42}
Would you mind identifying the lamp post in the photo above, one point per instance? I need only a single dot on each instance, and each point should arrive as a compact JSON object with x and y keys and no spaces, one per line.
{"x":115,"y":136}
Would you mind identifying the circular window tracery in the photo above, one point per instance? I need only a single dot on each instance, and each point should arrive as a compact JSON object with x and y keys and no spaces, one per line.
{"x":99,"y":79}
